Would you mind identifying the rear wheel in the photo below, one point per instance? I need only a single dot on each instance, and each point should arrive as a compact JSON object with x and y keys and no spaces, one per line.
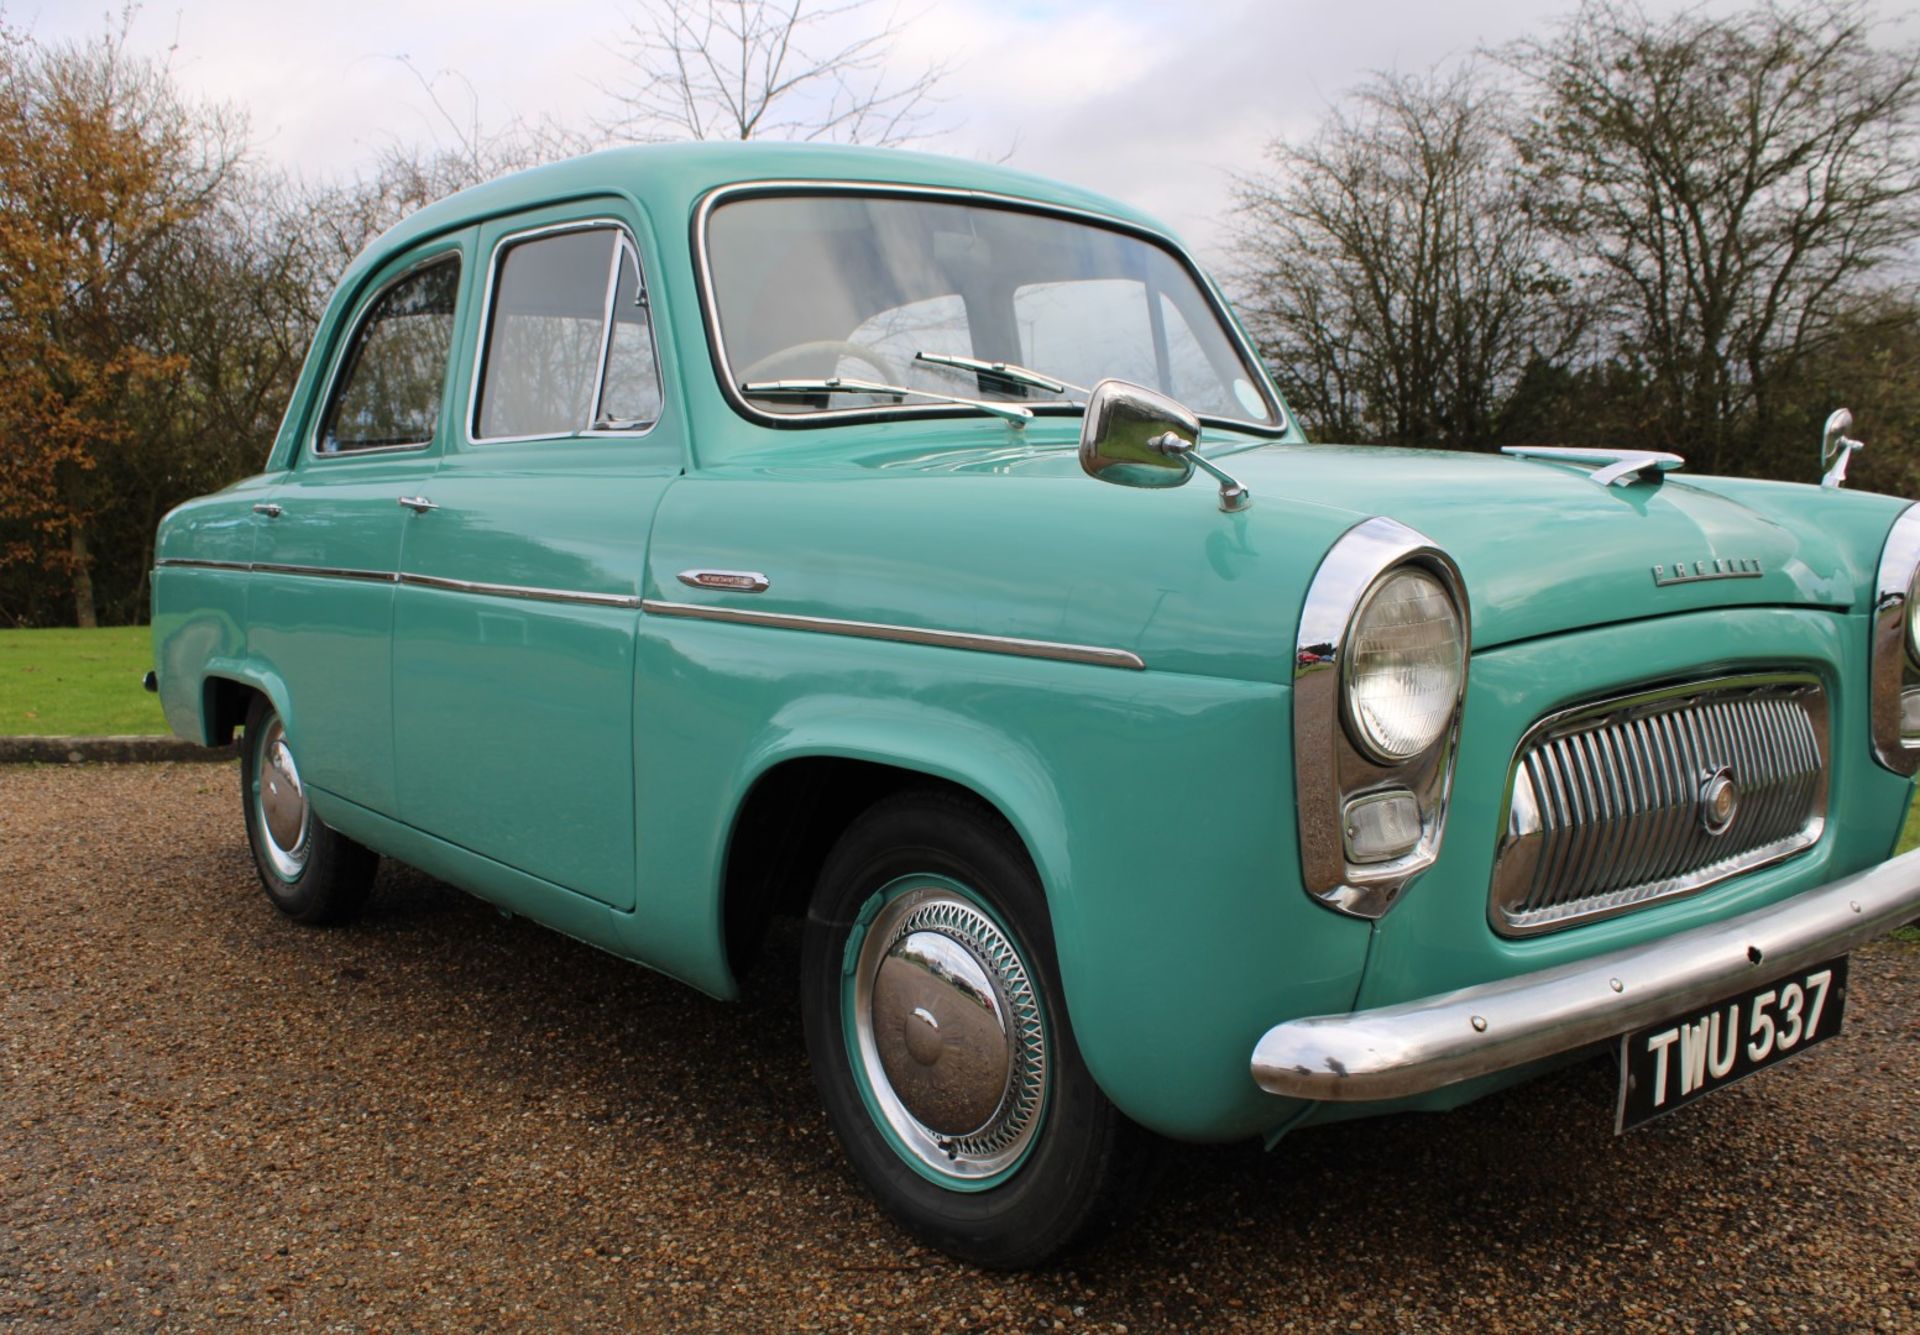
{"x":310,"y":871}
{"x":940,"y":1045}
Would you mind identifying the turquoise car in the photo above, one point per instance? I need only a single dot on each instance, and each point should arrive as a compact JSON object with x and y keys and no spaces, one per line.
{"x":675,"y":538}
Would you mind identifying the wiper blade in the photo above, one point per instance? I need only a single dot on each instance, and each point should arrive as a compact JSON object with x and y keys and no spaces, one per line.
{"x":1012,"y":412}
{"x":1017,"y":375}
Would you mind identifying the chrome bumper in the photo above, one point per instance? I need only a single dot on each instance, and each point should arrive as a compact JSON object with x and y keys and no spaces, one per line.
{"x":1398,"y":1051}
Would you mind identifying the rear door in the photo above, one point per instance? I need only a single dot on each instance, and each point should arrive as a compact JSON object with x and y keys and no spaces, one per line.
{"x":515,"y":621}
{"x":320,"y":609}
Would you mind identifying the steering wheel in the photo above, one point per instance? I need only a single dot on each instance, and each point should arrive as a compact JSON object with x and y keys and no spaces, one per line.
{"x":768,"y":367}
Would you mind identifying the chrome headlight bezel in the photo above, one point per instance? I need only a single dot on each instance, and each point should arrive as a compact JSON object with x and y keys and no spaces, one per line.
{"x":1895,"y":654}
{"x":1331,"y":767}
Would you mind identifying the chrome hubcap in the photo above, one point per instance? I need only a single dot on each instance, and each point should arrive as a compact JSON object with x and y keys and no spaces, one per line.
{"x":951,"y":1039}
{"x":280,"y":802}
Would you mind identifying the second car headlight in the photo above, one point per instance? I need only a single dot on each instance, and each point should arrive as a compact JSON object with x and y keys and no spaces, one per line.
{"x":1404,"y":661}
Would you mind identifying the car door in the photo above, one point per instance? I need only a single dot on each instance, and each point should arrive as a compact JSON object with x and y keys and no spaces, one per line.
{"x":320,"y":608}
{"x":516,"y":616}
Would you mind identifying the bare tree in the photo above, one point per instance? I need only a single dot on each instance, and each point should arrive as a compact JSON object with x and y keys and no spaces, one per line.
{"x":1392,"y":269}
{"x":770,"y":69}
{"x":1732,"y":184}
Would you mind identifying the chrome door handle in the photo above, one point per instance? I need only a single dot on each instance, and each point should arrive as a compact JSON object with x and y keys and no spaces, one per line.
{"x":267,"y":508}
{"x":418,"y":504}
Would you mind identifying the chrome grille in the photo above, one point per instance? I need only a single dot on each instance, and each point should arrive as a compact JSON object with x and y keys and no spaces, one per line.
{"x":1607,"y":807}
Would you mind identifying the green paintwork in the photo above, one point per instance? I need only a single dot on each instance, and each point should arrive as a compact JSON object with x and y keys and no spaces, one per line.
{"x":586,"y":765}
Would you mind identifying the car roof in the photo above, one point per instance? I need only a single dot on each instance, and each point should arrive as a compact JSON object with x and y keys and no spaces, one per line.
{"x":670,"y":179}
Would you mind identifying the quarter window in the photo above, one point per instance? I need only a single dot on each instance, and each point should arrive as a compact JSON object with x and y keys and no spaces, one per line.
{"x":568,"y":344}
{"x":389,"y":394}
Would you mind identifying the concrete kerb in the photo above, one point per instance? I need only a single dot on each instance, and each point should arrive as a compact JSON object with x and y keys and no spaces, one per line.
{"x":107,"y":750}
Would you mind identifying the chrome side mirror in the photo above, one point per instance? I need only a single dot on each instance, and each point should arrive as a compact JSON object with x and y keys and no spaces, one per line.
{"x":1836,"y":448}
{"x":1138,"y":437}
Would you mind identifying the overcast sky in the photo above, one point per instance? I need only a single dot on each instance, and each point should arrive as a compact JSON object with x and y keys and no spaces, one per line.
{"x":1155,"y":103}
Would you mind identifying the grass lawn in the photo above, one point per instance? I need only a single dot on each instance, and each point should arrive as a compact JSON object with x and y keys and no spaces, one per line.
{"x":77,"y":683}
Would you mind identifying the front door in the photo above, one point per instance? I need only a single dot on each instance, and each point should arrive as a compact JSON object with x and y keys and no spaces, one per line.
{"x":320,"y":605}
{"x":517,"y":612}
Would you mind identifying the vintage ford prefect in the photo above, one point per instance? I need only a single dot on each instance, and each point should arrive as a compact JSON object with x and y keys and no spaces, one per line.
{"x":677,"y":537}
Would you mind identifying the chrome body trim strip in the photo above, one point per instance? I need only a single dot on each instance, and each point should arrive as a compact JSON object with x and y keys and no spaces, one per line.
{"x":723,"y":366}
{"x":325,"y":572}
{"x":1399,"y":1051}
{"x":530,"y":592}
{"x":188,"y":563}
{"x":536,"y":594}
{"x":873,"y":630}
{"x":1892,"y":670}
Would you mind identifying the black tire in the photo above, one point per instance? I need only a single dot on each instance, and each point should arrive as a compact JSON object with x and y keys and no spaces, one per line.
{"x":317,"y":876}
{"x":1081,"y":1164}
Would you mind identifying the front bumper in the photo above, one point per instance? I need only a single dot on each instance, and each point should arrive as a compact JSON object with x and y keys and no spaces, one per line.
{"x":1400,"y":1051}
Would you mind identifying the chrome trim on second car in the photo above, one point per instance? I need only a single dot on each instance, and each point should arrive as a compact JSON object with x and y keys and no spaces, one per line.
{"x":1399,"y":1051}
{"x":1329,"y":769}
{"x":874,"y":630}
{"x":1893,"y":670}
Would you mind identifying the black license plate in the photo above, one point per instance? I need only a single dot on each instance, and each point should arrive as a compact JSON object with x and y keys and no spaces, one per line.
{"x":1669,"y":1065}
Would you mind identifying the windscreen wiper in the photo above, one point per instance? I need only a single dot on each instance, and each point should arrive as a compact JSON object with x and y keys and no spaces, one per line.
{"x":1012,"y":412}
{"x":1017,"y":375}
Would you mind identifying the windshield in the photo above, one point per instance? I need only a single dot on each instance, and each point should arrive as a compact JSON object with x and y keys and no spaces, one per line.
{"x":813,"y":287}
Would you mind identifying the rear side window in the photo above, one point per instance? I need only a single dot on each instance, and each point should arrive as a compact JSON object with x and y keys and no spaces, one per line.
{"x":569,"y":348}
{"x":392,"y":382}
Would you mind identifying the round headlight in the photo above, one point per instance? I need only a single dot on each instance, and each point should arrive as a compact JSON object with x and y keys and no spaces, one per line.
{"x":1405,"y":658}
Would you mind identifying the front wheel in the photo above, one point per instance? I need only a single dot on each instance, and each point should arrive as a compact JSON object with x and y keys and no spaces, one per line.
{"x":940,"y":1044}
{"x":310,"y":871}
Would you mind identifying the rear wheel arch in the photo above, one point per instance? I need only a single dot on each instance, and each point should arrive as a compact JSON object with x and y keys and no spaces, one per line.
{"x":227,"y":693}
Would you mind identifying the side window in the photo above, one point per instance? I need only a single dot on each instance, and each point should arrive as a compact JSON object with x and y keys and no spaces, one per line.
{"x":568,"y":344}
{"x":630,"y":390}
{"x":389,"y":392}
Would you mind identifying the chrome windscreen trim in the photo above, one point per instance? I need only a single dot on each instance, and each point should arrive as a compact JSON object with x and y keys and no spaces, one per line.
{"x":1410,"y":1048}
{"x":529,"y":592}
{"x":722,"y":365}
{"x":873,"y":630}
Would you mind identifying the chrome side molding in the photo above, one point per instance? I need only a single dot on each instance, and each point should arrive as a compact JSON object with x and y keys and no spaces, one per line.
{"x":1617,"y":467}
{"x":874,"y":630}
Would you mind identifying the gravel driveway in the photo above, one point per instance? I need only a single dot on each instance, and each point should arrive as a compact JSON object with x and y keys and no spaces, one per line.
{"x":443,"y":1119}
